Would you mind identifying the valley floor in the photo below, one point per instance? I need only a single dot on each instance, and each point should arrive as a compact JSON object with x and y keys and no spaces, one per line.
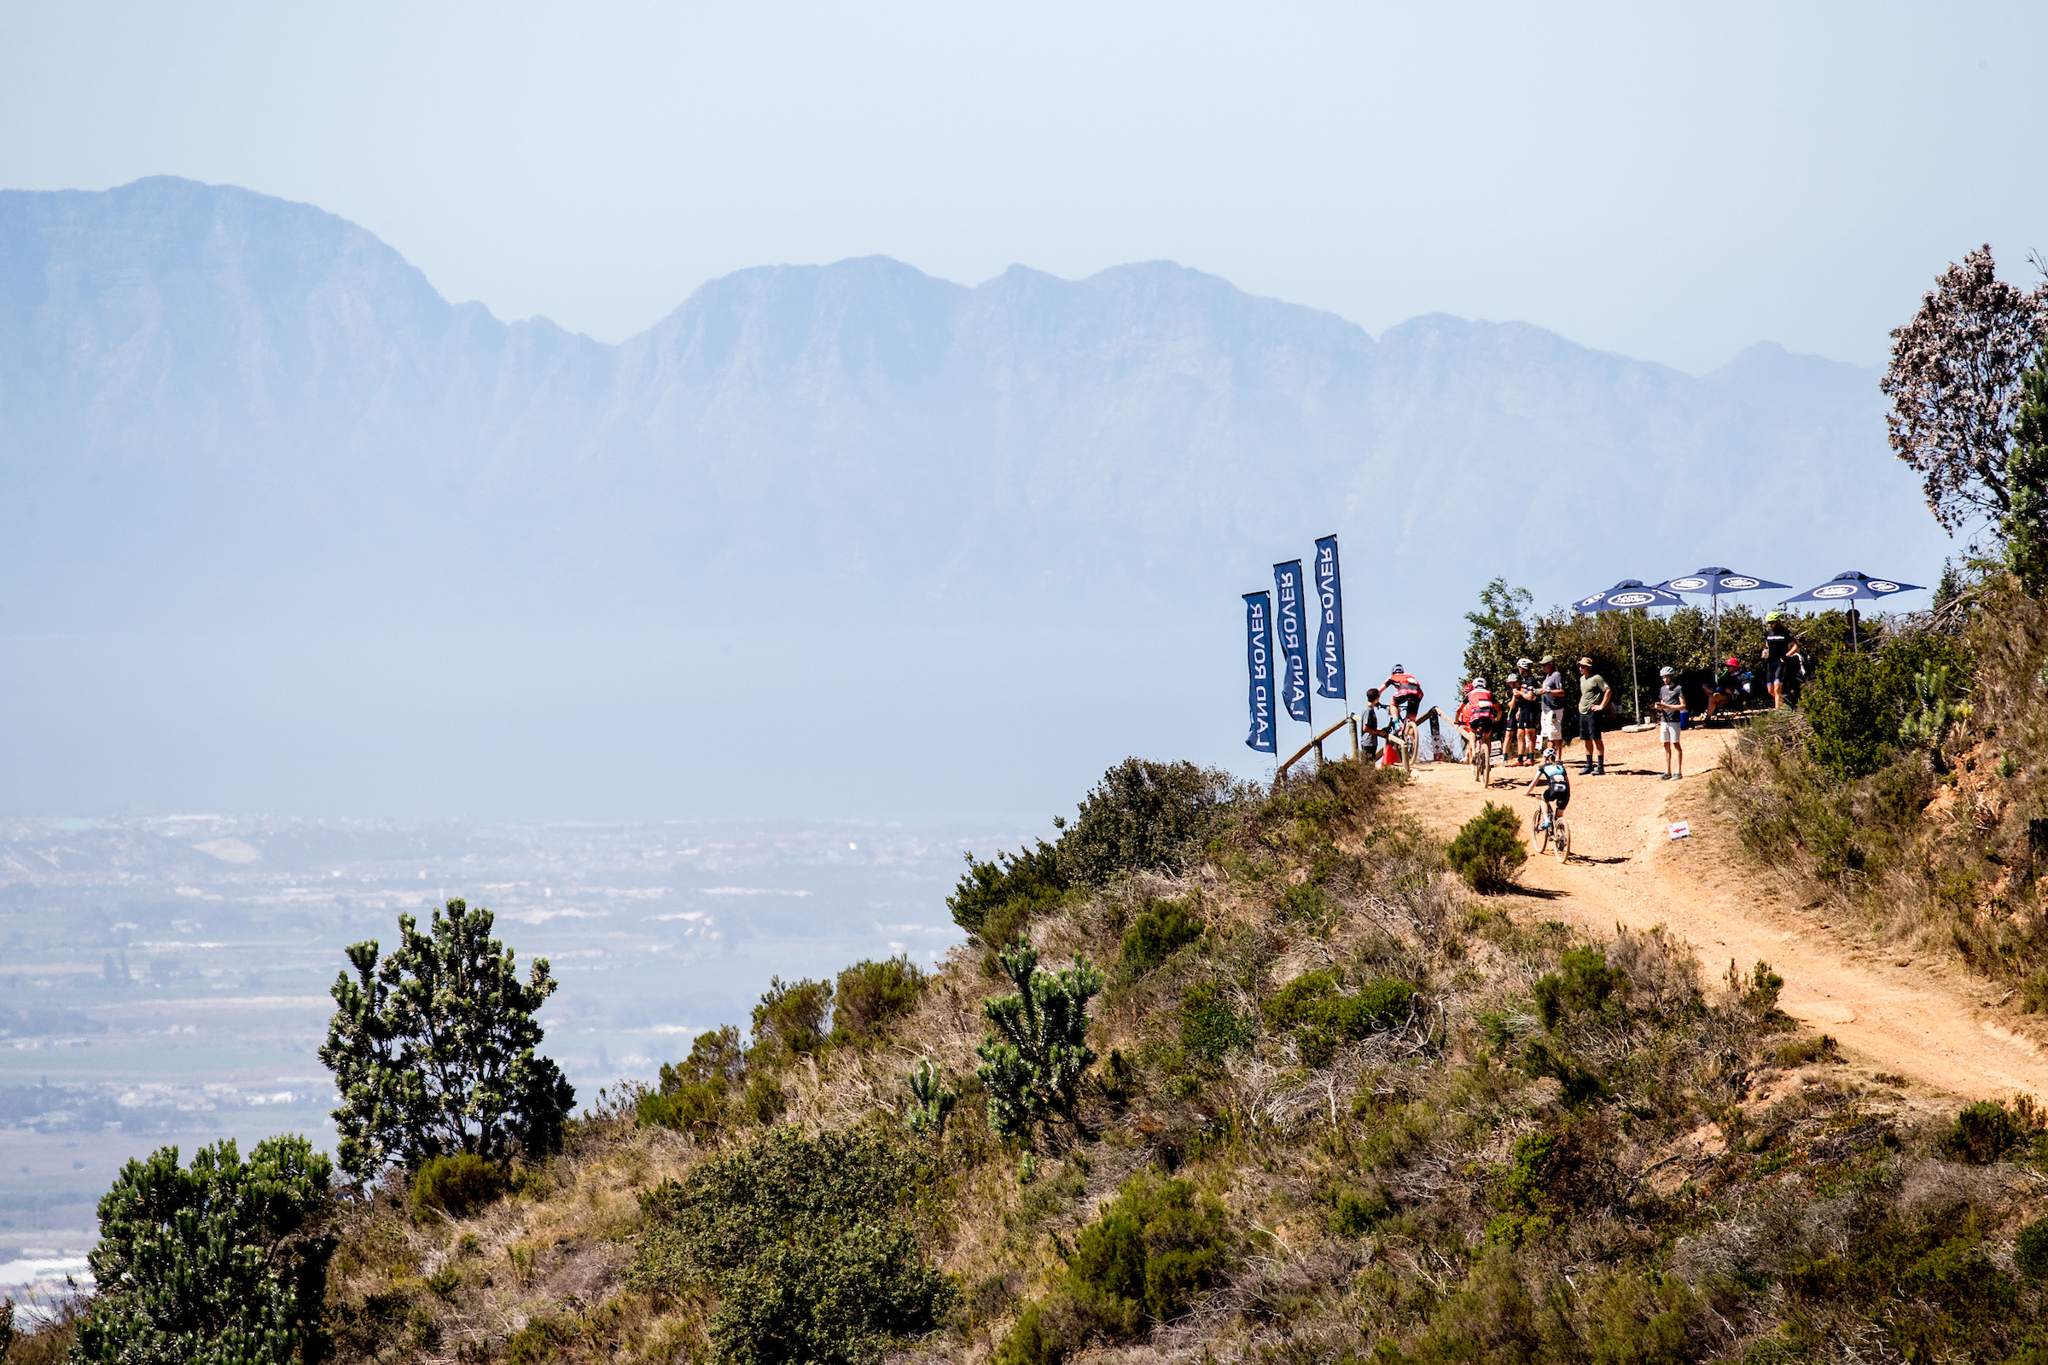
{"x":1896,"y":1016}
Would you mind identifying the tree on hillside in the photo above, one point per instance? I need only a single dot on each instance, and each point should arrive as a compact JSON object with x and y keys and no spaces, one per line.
{"x":1500,"y":632}
{"x":432,"y":1049}
{"x":223,"y":1262}
{"x":1033,"y":1064}
{"x":2026,"y":514}
{"x":1955,"y":381}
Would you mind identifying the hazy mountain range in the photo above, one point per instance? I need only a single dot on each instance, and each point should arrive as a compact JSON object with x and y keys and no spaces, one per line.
{"x":285,"y":528}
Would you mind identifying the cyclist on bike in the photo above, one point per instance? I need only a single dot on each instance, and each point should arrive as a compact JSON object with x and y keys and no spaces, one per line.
{"x":1556,"y":783}
{"x":1404,"y":692}
{"x":1481,"y":715}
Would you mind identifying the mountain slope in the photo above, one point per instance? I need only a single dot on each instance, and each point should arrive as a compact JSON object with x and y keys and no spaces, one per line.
{"x":231,"y":413}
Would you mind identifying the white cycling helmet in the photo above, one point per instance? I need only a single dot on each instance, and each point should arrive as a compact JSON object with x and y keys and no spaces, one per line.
{"x":1549,"y":754}
{"x":1479,"y":682}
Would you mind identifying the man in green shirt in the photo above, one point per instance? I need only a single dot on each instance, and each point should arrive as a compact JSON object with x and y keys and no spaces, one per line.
{"x":1595,"y":696}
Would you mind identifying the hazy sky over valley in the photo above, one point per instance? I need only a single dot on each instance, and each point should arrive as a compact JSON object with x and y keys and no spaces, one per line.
{"x":1671,"y":182}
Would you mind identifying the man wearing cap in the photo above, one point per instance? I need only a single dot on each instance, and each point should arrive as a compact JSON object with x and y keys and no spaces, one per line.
{"x":1550,"y":701}
{"x":1522,"y":712}
{"x":1671,"y":720}
{"x":1595,"y":696}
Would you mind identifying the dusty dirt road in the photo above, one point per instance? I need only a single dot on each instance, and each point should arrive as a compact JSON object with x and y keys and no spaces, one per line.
{"x":1929,"y":1023}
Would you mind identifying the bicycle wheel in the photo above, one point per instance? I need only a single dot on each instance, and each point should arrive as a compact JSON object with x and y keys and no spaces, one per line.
{"x":1411,"y":735}
{"x":1564,"y":842}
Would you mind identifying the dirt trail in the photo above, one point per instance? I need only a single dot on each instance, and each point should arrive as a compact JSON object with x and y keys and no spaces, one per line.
{"x":1931,"y":1024}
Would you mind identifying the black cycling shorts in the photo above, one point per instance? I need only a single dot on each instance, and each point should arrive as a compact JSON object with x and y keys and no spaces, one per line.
{"x":1557,"y":798}
{"x":1407,"y":707}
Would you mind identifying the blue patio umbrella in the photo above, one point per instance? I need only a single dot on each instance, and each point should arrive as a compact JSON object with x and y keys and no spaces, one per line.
{"x":1853,"y":587}
{"x":1713,"y":582}
{"x":1628,"y":595}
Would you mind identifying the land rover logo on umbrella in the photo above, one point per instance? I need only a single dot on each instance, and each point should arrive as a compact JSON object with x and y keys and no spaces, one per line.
{"x":1738,"y":584}
{"x":1632,"y":599}
{"x":1688,"y":584}
{"x":1880,"y":585}
{"x":1837,"y":590}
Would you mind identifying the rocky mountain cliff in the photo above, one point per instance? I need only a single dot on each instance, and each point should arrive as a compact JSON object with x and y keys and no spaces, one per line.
{"x":229,"y":412}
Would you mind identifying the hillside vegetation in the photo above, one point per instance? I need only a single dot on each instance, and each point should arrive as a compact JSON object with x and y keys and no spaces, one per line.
{"x":1277,"y":1087}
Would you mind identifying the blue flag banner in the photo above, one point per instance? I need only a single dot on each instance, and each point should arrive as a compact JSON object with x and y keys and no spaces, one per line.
{"x":1330,"y":638}
{"x":1258,"y":660}
{"x":1291,"y":624}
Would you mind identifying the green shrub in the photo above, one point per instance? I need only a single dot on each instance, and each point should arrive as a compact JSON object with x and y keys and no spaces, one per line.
{"x":224,"y":1260}
{"x":456,"y":1185}
{"x":1211,"y":1027}
{"x":1143,"y":816}
{"x":804,"y":1242}
{"x":1161,"y":929}
{"x":871,"y":995}
{"x":1489,"y":850}
{"x":1307,"y":905}
{"x":790,"y":1020}
{"x":1983,"y":1132}
{"x":424,"y":1069}
{"x":931,"y":1099}
{"x":2030,"y":1249}
{"x":1032,"y":1065}
{"x":998,"y":898}
{"x":1154,"y":1247}
{"x":1582,"y":984}
{"x":1854,"y":716}
{"x":1322,"y":1017}
{"x":1357,"y":1209}
{"x":694,"y":1095}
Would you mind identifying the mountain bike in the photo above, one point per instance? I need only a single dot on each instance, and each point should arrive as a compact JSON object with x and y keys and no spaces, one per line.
{"x":1482,"y":757}
{"x":1556,"y":832}
{"x":1411,"y":740}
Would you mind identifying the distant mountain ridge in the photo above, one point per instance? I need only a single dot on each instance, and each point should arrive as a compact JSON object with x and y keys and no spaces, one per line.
{"x":221,"y":406}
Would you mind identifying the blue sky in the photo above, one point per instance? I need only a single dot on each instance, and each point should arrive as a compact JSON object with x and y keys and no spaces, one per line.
{"x":1670,"y":181}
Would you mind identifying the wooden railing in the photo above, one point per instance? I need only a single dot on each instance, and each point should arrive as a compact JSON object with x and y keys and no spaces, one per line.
{"x":1315,"y":746}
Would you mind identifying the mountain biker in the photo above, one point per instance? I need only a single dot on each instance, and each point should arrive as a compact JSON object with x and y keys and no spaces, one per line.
{"x":1556,"y":782}
{"x":1481,"y":715}
{"x":1405,"y":692}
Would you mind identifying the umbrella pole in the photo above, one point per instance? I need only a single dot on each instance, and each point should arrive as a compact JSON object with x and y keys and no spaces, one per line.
{"x":1635,"y":682}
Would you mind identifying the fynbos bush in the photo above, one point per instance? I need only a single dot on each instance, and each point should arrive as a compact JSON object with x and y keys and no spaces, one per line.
{"x":1489,"y":850}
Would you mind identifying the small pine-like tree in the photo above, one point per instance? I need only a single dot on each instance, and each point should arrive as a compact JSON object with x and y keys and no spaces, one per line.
{"x":931,"y":1099}
{"x":432,"y":1049}
{"x":1034,"y":1062}
{"x":1489,"y":849}
{"x":223,"y":1262}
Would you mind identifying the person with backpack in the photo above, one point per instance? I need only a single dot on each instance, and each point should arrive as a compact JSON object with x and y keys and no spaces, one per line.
{"x":1670,"y":708}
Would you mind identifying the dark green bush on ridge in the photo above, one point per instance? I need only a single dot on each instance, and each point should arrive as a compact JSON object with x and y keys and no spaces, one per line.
{"x":871,"y":995}
{"x":790,"y":1019}
{"x":222,"y":1261}
{"x":693,"y":1096}
{"x":997,"y":898}
{"x":1143,"y":816}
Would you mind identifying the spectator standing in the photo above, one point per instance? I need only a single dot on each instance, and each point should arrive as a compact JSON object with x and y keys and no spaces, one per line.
{"x":1595,"y":697}
{"x":1671,"y":720}
{"x":1781,"y":656}
{"x":1550,"y":703}
{"x":1527,"y":702}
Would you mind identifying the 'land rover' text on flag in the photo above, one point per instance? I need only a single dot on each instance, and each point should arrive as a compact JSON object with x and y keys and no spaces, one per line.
{"x":1330,"y":638}
{"x":1258,"y":661}
{"x":1291,"y":625}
